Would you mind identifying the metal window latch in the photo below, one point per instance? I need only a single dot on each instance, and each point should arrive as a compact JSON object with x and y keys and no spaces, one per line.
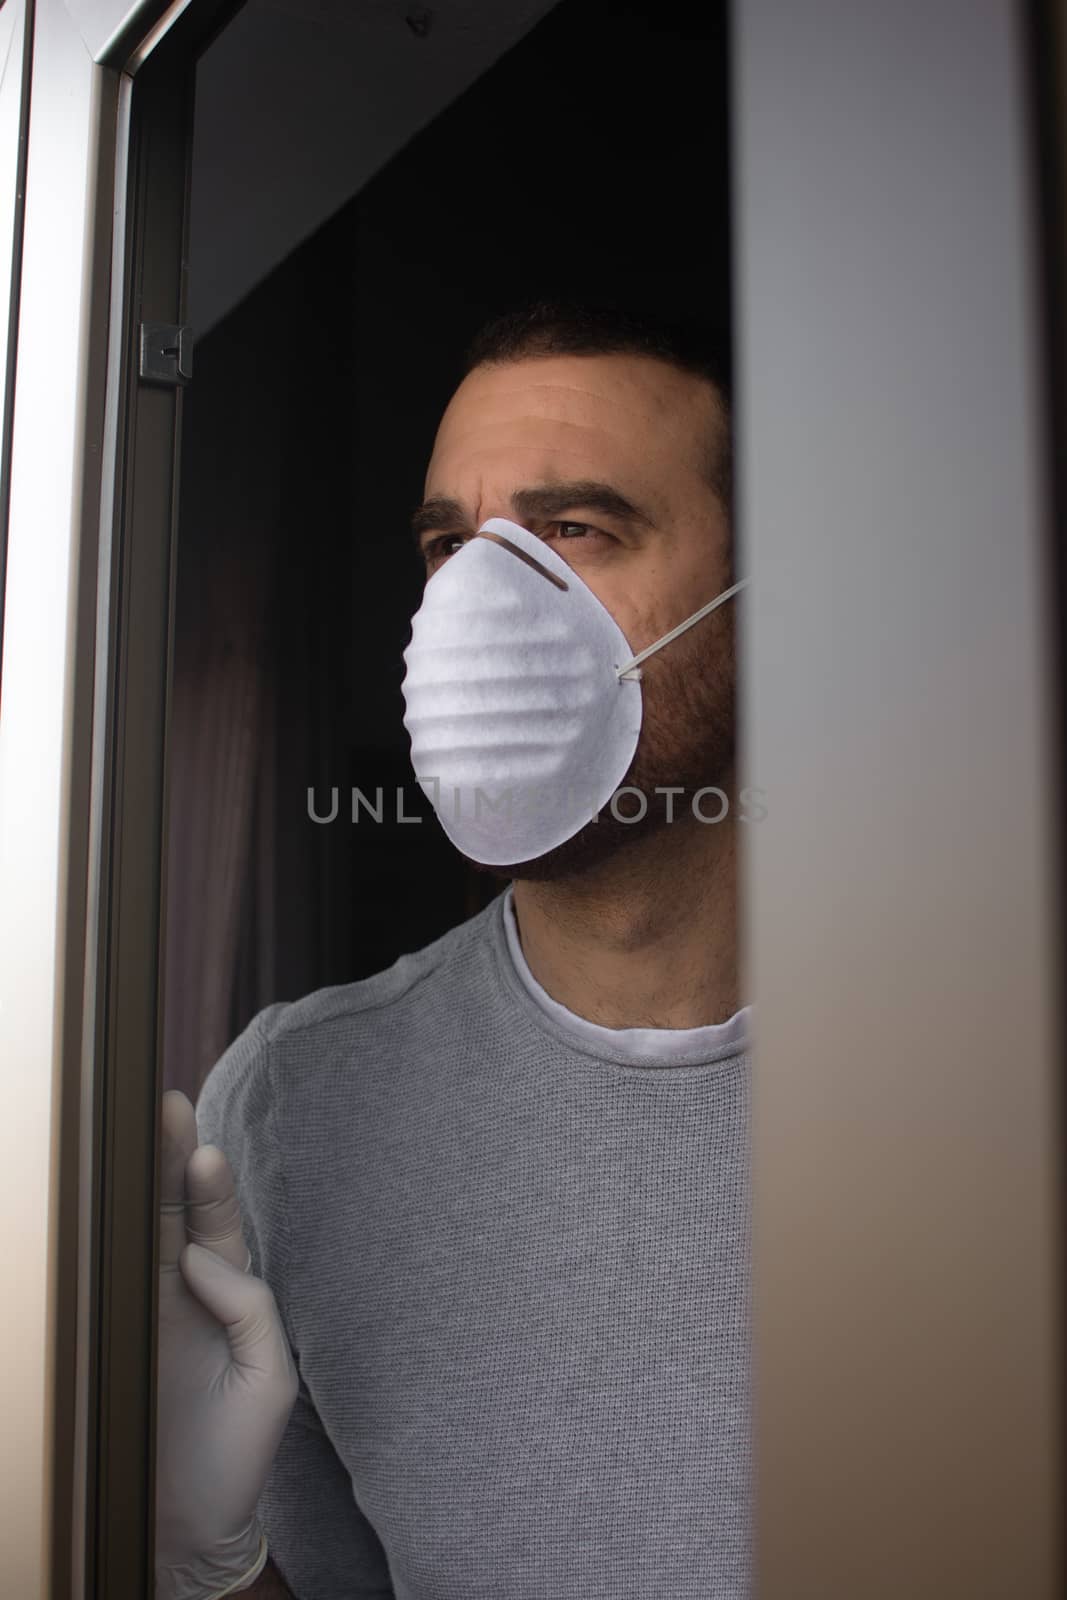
{"x":166,"y":353}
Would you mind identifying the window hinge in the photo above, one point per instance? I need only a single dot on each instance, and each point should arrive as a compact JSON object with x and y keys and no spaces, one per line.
{"x":166,"y":353}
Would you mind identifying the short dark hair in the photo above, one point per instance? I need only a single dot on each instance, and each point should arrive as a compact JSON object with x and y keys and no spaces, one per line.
{"x":560,"y":328}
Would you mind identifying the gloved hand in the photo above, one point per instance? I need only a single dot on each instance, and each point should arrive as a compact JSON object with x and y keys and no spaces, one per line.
{"x":227,"y":1381}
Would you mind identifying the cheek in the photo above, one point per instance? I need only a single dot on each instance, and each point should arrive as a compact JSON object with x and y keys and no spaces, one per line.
{"x":646,"y":603}
{"x":638,"y":613}
{"x":653,"y":596}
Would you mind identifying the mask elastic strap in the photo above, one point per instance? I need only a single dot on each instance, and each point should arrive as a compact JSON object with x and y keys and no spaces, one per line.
{"x":632,"y":668}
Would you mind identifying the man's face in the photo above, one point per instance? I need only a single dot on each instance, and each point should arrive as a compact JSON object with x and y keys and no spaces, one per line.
{"x":608,"y":459}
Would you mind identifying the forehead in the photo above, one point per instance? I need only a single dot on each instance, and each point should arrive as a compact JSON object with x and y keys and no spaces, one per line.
{"x":574,"y":416}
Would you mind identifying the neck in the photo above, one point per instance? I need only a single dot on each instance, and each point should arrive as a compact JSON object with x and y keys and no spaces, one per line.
{"x":647,"y":940}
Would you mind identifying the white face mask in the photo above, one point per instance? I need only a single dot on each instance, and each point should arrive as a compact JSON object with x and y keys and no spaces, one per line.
{"x":522,"y":696}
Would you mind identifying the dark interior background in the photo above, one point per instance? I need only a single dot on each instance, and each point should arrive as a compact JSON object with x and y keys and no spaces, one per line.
{"x":590,"y":161}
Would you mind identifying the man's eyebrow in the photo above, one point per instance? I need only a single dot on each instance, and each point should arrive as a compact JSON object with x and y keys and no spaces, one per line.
{"x":549,"y":499}
{"x":438,"y":515}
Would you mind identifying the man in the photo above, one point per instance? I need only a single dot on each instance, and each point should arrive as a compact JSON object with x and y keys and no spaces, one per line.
{"x":499,"y":1192}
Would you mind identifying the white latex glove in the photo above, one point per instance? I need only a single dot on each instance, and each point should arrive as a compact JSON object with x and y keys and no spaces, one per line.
{"x":227,"y":1382}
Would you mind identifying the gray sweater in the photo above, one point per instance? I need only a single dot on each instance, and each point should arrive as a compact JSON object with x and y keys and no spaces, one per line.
{"x":514,"y":1275}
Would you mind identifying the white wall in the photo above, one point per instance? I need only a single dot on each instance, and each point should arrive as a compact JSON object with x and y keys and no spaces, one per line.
{"x":903,"y":934}
{"x":40,"y":886}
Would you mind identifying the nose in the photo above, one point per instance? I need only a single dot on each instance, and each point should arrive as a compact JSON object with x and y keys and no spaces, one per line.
{"x":523,"y":555}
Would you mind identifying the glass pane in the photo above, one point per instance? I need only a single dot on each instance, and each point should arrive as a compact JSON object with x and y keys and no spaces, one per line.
{"x":478,"y":1071}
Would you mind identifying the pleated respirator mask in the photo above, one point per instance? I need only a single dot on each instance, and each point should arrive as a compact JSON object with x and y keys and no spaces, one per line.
{"x":522,"y":696}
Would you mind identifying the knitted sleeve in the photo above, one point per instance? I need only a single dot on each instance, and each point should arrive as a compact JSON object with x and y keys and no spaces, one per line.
{"x":322,"y":1545}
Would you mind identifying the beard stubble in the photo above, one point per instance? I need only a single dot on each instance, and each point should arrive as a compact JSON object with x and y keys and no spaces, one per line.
{"x":687,"y":741}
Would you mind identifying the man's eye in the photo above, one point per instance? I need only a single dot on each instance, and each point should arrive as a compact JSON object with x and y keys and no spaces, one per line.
{"x":437,"y":550}
{"x":572,"y":530}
